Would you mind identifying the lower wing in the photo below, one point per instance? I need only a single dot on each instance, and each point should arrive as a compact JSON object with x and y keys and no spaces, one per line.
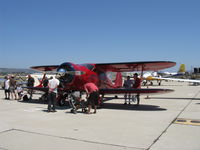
{"x":137,"y":91}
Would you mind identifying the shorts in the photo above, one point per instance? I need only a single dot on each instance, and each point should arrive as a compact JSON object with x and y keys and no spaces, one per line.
{"x":12,"y":89}
{"x":7,"y":90}
{"x":93,"y":99}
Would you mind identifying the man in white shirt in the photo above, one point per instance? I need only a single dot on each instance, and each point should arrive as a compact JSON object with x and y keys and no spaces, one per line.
{"x":7,"y":87}
{"x":127,"y":85}
{"x":53,"y":86}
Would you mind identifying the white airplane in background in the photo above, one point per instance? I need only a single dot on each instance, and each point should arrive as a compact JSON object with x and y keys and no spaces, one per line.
{"x":167,"y":76}
{"x":150,"y":77}
{"x":180,"y":72}
{"x":178,"y":79}
{"x":38,"y":77}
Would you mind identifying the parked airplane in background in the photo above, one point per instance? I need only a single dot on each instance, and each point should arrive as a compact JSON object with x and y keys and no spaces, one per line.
{"x":73,"y":76}
{"x":157,"y":76}
{"x":150,"y":77}
{"x":179,"y":80}
{"x":179,"y":73}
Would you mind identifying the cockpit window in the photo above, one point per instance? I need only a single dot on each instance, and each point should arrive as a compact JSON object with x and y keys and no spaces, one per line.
{"x":88,"y":66}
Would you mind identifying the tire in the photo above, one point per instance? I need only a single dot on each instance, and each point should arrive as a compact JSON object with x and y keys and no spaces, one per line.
{"x":61,"y":102}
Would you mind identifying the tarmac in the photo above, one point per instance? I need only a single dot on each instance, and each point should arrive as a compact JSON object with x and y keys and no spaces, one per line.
{"x":163,"y":122}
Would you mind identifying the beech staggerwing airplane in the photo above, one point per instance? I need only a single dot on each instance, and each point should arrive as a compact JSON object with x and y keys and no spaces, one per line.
{"x":73,"y":76}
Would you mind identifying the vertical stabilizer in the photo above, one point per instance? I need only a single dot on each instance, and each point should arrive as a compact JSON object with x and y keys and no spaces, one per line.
{"x":182,"y":68}
{"x":106,"y":82}
{"x":118,"y":80}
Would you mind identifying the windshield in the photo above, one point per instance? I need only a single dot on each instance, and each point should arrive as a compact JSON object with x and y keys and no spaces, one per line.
{"x":88,"y":66}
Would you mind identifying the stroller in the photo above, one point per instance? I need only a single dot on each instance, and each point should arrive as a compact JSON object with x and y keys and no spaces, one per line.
{"x":77,"y":102}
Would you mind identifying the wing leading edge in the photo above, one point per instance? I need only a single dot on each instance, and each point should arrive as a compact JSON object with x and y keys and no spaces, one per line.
{"x":135,"y":66}
{"x":45,"y":68}
{"x":120,"y":67}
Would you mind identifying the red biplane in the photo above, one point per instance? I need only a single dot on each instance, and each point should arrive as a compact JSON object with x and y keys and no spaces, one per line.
{"x":73,"y":76}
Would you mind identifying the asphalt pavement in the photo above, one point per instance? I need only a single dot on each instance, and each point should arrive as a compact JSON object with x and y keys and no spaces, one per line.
{"x":162,"y":122}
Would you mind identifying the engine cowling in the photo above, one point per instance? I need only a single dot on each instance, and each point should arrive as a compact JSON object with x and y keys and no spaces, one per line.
{"x":65,"y":72}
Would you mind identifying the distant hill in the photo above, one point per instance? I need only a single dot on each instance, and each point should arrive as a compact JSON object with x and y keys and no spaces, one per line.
{"x":16,"y":70}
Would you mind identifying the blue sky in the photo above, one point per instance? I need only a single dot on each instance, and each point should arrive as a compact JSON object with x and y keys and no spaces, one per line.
{"x":47,"y":32}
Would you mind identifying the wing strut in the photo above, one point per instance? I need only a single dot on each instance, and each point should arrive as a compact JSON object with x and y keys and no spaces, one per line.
{"x":142,"y":71}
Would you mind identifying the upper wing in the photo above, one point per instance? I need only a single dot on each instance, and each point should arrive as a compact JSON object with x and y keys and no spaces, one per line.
{"x":177,"y":79}
{"x":140,"y":91}
{"x":135,"y":66}
{"x":45,"y":68}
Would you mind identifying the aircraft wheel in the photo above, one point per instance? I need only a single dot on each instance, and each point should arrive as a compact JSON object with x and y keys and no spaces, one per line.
{"x":61,"y":102}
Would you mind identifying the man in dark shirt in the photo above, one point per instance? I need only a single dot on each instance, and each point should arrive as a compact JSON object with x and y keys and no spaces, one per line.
{"x":137,"y":85}
{"x":45,"y":82}
{"x":30,"y":83}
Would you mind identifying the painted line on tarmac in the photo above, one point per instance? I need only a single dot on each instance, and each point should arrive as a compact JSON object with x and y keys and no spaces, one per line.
{"x":1,"y":148}
{"x":184,"y":121}
{"x":174,"y":120}
{"x":7,"y":130}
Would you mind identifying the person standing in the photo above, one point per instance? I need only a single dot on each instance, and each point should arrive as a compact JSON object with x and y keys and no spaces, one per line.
{"x":92,"y":93}
{"x":53,"y":87}
{"x":30,"y":84}
{"x":137,"y":85}
{"x":45,"y":82}
{"x":7,"y":87}
{"x":127,"y":85}
{"x":13,"y":85}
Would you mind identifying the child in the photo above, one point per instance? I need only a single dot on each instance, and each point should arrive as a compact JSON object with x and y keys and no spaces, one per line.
{"x":19,"y":91}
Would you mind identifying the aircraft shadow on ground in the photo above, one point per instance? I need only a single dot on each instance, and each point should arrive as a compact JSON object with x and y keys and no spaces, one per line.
{"x":174,"y":98}
{"x":36,"y":101}
{"x":116,"y":106}
{"x":132,"y":107}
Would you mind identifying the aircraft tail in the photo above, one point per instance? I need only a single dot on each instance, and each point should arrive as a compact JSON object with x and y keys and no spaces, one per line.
{"x":107,"y":82}
{"x":118,"y":80}
{"x":182,"y":68}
